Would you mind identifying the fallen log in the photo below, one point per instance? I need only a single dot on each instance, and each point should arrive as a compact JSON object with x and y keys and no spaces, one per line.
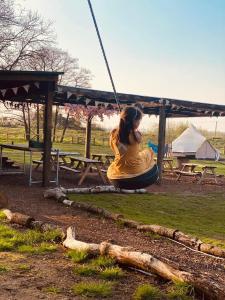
{"x":161,"y":230}
{"x":99,"y":189}
{"x":18,"y":218}
{"x":187,"y":239}
{"x":71,"y":243}
{"x":210,"y":249}
{"x":30,"y":222}
{"x":96,"y":210}
{"x":147,"y":262}
{"x":129,"y":223}
{"x":56,"y":193}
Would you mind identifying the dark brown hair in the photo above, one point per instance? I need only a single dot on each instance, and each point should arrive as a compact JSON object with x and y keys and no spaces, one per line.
{"x":127,"y":117}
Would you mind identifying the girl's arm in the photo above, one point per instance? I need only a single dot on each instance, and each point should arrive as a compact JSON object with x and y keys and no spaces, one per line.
{"x":138,"y":136}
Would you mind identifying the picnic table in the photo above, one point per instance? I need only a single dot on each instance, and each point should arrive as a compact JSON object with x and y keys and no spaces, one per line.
{"x":57,"y":157}
{"x":167,"y":164}
{"x":84,"y":166}
{"x":188,"y":169}
{"x":208,"y":172}
{"x":106,"y":159}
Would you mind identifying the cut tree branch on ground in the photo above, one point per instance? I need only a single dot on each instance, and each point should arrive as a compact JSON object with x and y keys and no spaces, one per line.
{"x":149,"y":263}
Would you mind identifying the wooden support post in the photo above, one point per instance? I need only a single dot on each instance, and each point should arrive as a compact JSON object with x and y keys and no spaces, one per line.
{"x":161,"y":139}
{"x":88,"y":138}
{"x":48,"y":135}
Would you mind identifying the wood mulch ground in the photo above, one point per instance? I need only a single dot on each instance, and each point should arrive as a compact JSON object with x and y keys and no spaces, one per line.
{"x":56,"y":269}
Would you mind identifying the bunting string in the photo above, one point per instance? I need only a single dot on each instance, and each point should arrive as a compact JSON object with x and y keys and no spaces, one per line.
{"x":26,"y":88}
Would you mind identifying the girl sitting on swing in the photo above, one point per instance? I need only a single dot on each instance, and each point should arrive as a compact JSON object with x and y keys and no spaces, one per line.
{"x":131,"y":168}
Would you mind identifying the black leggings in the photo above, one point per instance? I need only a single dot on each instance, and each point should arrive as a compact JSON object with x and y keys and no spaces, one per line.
{"x":137,"y":182}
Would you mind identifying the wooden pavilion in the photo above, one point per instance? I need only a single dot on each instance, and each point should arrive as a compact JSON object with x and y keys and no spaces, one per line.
{"x":41,"y":87}
{"x":163,"y":107}
{"x":33,"y":87}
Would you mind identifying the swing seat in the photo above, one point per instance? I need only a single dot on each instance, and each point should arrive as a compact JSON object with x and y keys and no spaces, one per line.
{"x":137,"y":182}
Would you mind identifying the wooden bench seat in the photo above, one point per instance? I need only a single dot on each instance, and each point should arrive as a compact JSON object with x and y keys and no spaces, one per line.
{"x":188,"y":173}
{"x":185,"y":173}
{"x":69,"y":169}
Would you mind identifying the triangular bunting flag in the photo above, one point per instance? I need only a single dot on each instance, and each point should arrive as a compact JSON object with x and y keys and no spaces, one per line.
{"x":167,"y":102}
{"x":97,"y":103}
{"x":87,"y":101}
{"x":37,"y":84}
{"x":69,"y":94}
{"x":15,"y":90}
{"x":3,"y":92}
{"x":26,"y":87}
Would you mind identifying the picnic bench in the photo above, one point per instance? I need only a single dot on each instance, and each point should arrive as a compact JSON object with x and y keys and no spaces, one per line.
{"x":84,"y":166}
{"x":61,"y":155}
{"x":208,"y":172}
{"x":106,"y":159}
{"x":188,"y":169}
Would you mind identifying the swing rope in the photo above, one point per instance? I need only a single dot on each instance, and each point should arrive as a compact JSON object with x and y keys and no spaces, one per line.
{"x":104,"y":54}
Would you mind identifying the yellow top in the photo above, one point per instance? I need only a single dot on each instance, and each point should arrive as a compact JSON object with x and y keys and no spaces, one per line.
{"x":129,"y":160}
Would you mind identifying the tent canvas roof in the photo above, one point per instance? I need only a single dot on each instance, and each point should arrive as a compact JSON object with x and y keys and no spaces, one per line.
{"x":189,"y":141}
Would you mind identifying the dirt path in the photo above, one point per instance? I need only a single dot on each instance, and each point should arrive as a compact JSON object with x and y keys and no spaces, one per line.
{"x":91,"y":228}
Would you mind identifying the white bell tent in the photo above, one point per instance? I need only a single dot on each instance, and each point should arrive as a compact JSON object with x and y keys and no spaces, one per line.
{"x":192,"y":143}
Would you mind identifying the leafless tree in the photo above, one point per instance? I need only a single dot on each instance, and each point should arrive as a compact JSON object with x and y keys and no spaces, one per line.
{"x":22,"y":32}
{"x":55,"y":59}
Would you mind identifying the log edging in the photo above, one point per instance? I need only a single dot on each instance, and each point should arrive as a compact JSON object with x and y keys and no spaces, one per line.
{"x":125,"y":255}
{"x":60,"y":194}
{"x":30,"y":222}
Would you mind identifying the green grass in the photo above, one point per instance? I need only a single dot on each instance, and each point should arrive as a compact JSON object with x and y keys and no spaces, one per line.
{"x":93,"y":289}
{"x":147,"y":292}
{"x":179,"y":291}
{"x":24,"y":267}
{"x":4,"y":269}
{"x":29,"y":241}
{"x":111,"y":273}
{"x":52,"y":290}
{"x":2,"y":216}
{"x":77,"y":256}
{"x":199,"y":215}
{"x":85,"y":270}
{"x":39,"y":249}
{"x":103,"y":262}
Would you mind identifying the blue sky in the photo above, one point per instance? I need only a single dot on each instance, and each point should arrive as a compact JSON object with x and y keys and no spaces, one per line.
{"x":168,"y":48}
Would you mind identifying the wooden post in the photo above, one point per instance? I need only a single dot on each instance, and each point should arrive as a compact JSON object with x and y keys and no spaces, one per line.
{"x":48,"y":135}
{"x":88,"y":138}
{"x":38,"y":123}
{"x":161,"y":139}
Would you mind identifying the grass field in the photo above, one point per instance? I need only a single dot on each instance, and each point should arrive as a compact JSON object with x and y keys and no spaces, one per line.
{"x":201,"y":215}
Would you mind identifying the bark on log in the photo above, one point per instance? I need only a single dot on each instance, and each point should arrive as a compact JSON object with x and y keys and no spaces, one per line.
{"x":210,"y":249}
{"x":71,"y":243}
{"x":18,"y":218}
{"x":101,"y":189}
{"x":57,"y":194}
{"x":161,"y":230}
{"x":96,"y":210}
{"x":187,"y":239}
{"x":129,"y":223}
{"x":146,"y":262}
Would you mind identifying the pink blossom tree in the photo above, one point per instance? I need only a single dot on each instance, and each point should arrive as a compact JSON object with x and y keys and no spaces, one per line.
{"x":86,"y":113}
